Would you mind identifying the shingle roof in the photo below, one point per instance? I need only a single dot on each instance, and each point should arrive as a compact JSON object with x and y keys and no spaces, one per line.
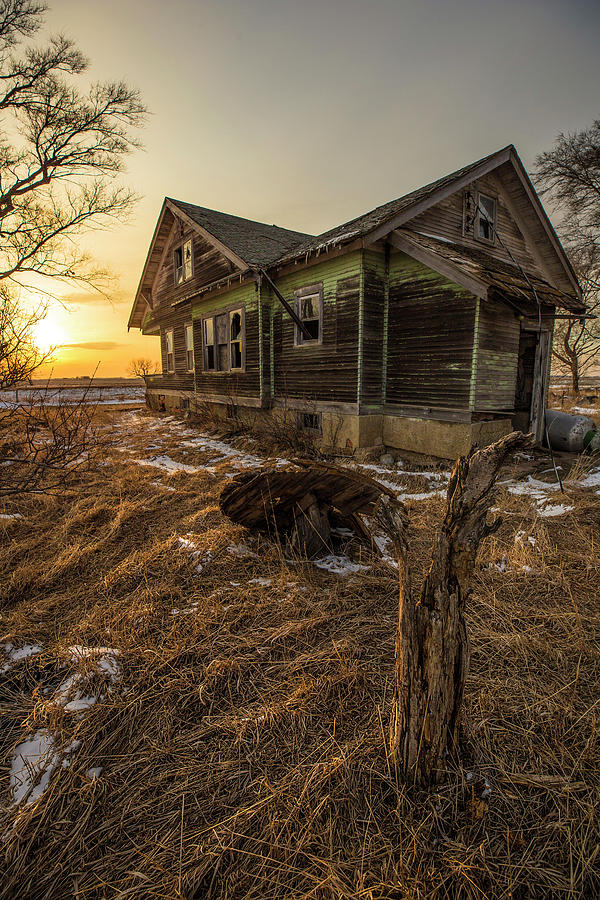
{"x":366,"y":223}
{"x":503,"y":277}
{"x":256,"y":243}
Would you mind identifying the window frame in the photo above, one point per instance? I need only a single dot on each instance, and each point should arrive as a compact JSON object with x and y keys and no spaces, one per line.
{"x":189,"y":349}
{"x":213,"y":314}
{"x":181,"y":247}
{"x":171,"y":353}
{"x":310,"y":290}
{"x":476,"y":221}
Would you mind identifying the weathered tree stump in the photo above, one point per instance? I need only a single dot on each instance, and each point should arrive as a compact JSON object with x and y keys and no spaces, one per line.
{"x":432,"y":649}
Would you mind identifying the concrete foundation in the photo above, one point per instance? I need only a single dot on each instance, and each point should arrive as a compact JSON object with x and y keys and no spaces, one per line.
{"x":447,"y":440}
{"x":430,"y":437}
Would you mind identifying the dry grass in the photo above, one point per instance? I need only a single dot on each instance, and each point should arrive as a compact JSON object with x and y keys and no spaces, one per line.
{"x":244,"y":749}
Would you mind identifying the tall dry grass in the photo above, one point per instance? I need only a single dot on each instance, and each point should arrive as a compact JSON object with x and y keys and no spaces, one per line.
{"x":244,"y":750}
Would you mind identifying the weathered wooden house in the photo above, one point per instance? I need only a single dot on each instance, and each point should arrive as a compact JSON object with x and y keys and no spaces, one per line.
{"x":425,"y":324}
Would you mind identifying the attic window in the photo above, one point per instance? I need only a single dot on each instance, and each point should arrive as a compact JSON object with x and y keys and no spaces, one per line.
{"x":309,"y":309}
{"x":485,"y":219}
{"x":182,"y":262}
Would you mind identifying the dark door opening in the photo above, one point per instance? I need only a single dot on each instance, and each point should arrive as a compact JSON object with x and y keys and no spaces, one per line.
{"x":528,"y":343}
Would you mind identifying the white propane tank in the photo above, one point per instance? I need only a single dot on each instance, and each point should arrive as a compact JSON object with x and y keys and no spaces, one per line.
{"x":571,"y":433}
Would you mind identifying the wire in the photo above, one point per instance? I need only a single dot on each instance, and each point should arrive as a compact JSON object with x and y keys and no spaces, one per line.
{"x":526,"y":277}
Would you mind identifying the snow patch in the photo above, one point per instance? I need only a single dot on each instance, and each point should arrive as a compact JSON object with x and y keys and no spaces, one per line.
{"x":339,"y":565}
{"x":557,"y":510}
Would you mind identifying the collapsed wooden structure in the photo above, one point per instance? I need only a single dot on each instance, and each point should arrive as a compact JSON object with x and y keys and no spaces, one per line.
{"x":298,"y":505}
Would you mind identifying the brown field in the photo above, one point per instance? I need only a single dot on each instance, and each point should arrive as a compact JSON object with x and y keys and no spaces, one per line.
{"x":240,"y":725}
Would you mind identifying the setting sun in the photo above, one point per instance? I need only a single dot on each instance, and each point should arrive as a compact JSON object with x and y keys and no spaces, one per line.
{"x":49,"y":334}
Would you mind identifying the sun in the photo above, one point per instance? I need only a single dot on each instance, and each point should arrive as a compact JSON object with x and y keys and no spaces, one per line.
{"x":49,"y":334}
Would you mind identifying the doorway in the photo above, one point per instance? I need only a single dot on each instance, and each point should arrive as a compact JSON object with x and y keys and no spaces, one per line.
{"x":532,"y":380}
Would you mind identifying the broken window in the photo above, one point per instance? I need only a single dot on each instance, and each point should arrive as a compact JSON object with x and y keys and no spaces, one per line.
{"x":235,"y":338}
{"x":309,"y":309}
{"x":170,"y":350}
{"x":209,"y":344}
{"x":182,"y":262}
{"x":485,"y":219}
{"x":189,"y":347}
{"x":224,"y":337}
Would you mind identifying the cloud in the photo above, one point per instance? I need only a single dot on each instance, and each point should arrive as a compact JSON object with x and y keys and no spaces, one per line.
{"x":86,"y":298}
{"x":93,"y":345}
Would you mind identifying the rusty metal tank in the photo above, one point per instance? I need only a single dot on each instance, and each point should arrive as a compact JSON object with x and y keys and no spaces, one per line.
{"x":571,"y":433}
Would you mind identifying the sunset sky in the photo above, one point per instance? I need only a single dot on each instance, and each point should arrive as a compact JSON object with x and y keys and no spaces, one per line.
{"x":305,"y":114}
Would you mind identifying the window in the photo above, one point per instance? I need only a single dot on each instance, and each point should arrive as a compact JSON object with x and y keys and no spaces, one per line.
{"x":189,"y":347}
{"x":235,"y":338}
{"x":223,"y":339}
{"x":479,"y":216}
{"x":306,"y":421}
{"x":309,"y":309}
{"x":182,"y":262}
{"x":170,"y":353}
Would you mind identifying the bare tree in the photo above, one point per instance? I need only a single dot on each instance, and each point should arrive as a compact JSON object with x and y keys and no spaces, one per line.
{"x":57,"y":178}
{"x":61,"y":152}
{"x":20,"y":356}
{"x":138,"y":368}
{"x":568,"y":175}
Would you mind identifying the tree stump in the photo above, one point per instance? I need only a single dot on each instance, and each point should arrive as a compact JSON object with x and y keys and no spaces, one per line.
{"x":432,"y":650}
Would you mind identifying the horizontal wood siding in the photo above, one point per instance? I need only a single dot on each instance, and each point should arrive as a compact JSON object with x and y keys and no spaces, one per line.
{"x":497,"y":357}
{"x":430,"y":338}
{"x":326,"y":372}
{"x":446,"y":220}
{"x":209,"y":265}
{"x":229,"y":384}
{"x":177,"y":320}
{"x":372,"y":342}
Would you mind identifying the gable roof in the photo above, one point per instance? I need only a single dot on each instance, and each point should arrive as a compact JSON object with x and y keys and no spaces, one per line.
{"x":256,"y":243}
{"x":369,"y":221}
{"x":249,"y":244}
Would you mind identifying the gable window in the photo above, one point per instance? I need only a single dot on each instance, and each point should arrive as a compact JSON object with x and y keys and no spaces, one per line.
{"x":189,"y":347}
{"x":170,"y":350}
{"x":309,"y":309}
{"x":182,"y":262}
{"x":480,"y":216}
{"x":485,"y":222}
{"x":224,"y":337}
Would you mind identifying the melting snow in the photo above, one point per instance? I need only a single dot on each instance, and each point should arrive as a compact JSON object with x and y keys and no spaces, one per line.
{"x":557,"y":510}
{"x":70,"y":694}
{"x":339,"y":565}
{"x":11,"y":516}
{"x":15,"y":654}
{"x":168,"y":465}
{"x":32,"y":764}
{"x":263,"y":581}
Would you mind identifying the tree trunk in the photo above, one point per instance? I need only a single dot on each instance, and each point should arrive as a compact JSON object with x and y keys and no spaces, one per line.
{"x":575,"y":375}
{"x":432,"y":651}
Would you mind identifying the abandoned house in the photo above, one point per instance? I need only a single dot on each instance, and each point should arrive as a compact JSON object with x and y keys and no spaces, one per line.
{"x":424,"y":325}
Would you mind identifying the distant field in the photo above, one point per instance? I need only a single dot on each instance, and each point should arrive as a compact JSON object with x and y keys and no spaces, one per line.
{"x":105,"y":392}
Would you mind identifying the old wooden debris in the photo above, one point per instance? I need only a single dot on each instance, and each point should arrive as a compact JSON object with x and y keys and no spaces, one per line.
{"x":301,"y":502}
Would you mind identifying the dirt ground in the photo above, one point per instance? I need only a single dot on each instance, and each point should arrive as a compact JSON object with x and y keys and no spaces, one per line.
{"x":187,"y":713}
